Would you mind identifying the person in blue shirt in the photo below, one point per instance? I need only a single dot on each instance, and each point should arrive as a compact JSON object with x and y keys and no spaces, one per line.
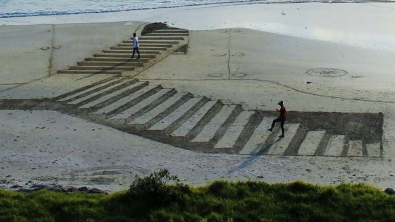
{"x":135,"y":45}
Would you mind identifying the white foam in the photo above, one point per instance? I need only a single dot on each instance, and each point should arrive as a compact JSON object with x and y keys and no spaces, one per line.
{"x":27,"y":8}
{"x":362,"y":25}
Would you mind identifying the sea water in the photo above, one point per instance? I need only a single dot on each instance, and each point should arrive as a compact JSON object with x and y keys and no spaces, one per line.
{"x":26,"y":8}
{"x":359,"y":23}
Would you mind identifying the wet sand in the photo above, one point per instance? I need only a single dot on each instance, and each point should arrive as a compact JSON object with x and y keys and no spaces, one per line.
{"x":234,"y":64}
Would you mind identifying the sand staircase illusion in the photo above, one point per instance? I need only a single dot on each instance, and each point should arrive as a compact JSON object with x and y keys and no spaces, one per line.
{"x":153,"y":47}
{"x":201,"y":124}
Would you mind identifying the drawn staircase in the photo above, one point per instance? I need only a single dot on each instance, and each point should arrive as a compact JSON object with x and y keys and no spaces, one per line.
{"x":201,"y":124}
{"x":154,"y":46}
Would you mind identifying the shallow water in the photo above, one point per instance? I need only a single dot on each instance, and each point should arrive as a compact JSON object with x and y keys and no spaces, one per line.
{"x":27,"y":8}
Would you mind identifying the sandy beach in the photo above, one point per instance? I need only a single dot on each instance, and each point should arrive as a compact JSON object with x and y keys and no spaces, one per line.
{"x":250,"y":55}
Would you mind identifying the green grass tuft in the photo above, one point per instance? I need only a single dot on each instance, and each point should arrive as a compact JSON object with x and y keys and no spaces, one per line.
{"x":154,"y":199}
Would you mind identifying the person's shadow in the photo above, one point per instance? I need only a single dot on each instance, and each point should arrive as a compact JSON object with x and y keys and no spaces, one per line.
{"x":255,"y":155}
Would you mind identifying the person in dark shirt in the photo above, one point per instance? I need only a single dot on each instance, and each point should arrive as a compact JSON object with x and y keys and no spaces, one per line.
{"x":281,"y":118}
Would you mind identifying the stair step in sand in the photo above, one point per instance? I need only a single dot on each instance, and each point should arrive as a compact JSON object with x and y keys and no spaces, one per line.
{"x":124,"y":55}
{"x":118,"y":60}
{"x":373,"y":150}
{"x":130,"y":48}
{"x":215,"y":123}
{"x":112,"y":95}
{"x":335,"y":145}
{"x":167,"y":34}
{"x":126,"y":68}
{"x":188,"y":125}
{"x":141,"y":107}
{"x":279,"y":147}
{"x":91,"y":89}
{"x":161,"y":38}
{"x":176,"y":114}
{"x":114,"y":106}
{"x":145,"y":45}
{"x":146,"y":41}
{"x":97,"y":93}
{"x":355,"y":148}
{"x":148,"y":116}
{"x":310,"y":144}
{"x":257,"y":140}
{"x":171,"y":31}
{"x":129,"y":52}
{"x":115,"y":72}
{"x":231,"y":135}
{"x":111,"y":64}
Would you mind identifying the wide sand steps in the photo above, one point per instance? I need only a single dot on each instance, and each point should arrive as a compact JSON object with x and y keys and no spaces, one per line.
{"x":143,"y":104}
{"x":311,"y":142}
{"x":209,"y":130}
{"x":231,"y":135}
{"x":87,"y":90}
{"x":159,"y":112}
{"x":115,"y":96}
{"x":281,"y":144}
{"x":198,"y":123}
{"x":256,"y":143}
{"x":97,"y":94}
{"x":181,"y":112}
{"x":197,"y":117}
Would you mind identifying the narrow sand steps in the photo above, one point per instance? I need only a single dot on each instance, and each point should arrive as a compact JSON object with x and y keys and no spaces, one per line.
{"x":124,"y":55}
{"x":98,"y":63}
{"x":140,"y":62}
{"x":145,"y":45}
{"x":129,"y":52}
{"x":117,"y":59}
{"x":129,"y":48}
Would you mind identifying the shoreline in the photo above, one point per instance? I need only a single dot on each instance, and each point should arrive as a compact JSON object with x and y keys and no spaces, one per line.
{"x":67,"y":150}
{"x":345,"y":23}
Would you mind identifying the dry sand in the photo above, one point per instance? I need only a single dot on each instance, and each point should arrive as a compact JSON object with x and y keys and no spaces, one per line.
{"x":252,"y":68}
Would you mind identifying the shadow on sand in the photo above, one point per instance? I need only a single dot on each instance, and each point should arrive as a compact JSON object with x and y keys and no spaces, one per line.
{"x":255,"y":155}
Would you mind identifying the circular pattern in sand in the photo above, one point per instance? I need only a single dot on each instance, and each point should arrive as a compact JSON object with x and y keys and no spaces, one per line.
{"x":239,"y":74}
{"x":326,"y":72}
{"x":215,"y":75}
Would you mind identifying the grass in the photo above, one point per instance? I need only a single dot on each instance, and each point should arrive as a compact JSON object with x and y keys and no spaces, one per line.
{"x":152,"y":199}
